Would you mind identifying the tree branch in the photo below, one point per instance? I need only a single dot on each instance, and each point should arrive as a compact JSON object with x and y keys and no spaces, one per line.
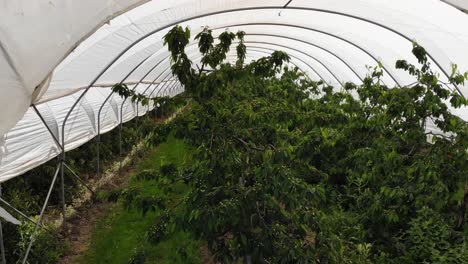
{"x":247,"y":144}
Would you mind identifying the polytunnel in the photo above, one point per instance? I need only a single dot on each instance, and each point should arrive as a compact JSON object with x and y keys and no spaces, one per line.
{"x":59,"y":59}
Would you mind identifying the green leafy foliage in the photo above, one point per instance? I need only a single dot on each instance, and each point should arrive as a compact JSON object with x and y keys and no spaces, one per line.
{"x":288,"y":170}
{"x":147,"y":175}
{"x":47,"y":249}
{"x":125,"y":92}
{"x":158,"y":230}
{"x":205,"y":40}
{"x":122,"y":234}
{"x":241,"y":49}
{"x":169,"y":170}
{"x":139,"y":256}
{"x":213,"y":55}
{"x":177,"y":39}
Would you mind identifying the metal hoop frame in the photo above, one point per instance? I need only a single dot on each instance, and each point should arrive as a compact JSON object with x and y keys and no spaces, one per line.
{"x":62,"y":165}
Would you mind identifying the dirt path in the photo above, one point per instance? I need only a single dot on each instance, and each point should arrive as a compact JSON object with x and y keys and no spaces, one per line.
{"x":81,"y":226}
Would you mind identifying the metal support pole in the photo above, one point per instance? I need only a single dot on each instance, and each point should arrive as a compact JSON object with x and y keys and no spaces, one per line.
{"x":121,"y":111}
{"x":62,"y":194}
{"x":173,"y":88}
{"x":62,"y":171}
{"x":319,"y":47}
{"x":266,"y":8}
{"x":47,"y":126}
{"x":2,"y":246}
{"x":137,"y":108}
{"x":120,"y":147}
{"x":296,"y":50}
{"x":222,"y":12}
{"x":137,"y":130}
{"x":98,"y":138}
{"x":121,"y":114}
{"x":165,"y":80}
{"x":165,"y":84}
{"x":408,"y":38}
{"x":41,"y":215}
{"x":79,"y":179}
{"x":286,"y":5}
{"x":265,"y":51}
{"x":98,"y":148}
{"x":164,"y":88}
{"x":297,"y":58}
{"x":279,"y":7}
{"x":239,"y":10}
{"x":20,"y":213}
{"x":167,"y":88}
{"x":121,"y":108}
{"x":201,"y":16}
{"x":311,"y":44}
{"x":324,"y":33}
{"x":169,"y":73}
{"x":161,"y":83}
{"x":62,"y":180}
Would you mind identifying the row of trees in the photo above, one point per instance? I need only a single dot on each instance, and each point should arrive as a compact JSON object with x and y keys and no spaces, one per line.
{"x":289,"y":170}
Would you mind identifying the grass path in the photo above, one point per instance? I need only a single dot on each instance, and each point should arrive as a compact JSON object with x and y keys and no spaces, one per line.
{"x":121,"y":233}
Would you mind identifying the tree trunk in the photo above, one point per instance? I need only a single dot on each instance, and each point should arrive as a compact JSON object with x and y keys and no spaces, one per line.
{"x":247,"y":259}
{"x":463,"y":207}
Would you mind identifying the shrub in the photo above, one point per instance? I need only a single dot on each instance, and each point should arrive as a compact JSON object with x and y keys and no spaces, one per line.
{"x":159,"y":230}
{"x":146,"y":175}
{"x":168,"y":170}
{"x":47,"y":248}
{"x":138,"y":257}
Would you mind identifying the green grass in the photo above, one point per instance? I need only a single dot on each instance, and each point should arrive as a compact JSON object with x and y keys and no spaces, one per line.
{"x":122,"y":231}
{"x":171,"y":151}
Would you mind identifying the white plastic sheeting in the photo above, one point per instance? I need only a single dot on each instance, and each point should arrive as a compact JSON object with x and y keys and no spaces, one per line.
{"x":8,"y":217}
{"x":332,"y":40}
{"x":35,"y":36}
{"x":460,"y":4}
